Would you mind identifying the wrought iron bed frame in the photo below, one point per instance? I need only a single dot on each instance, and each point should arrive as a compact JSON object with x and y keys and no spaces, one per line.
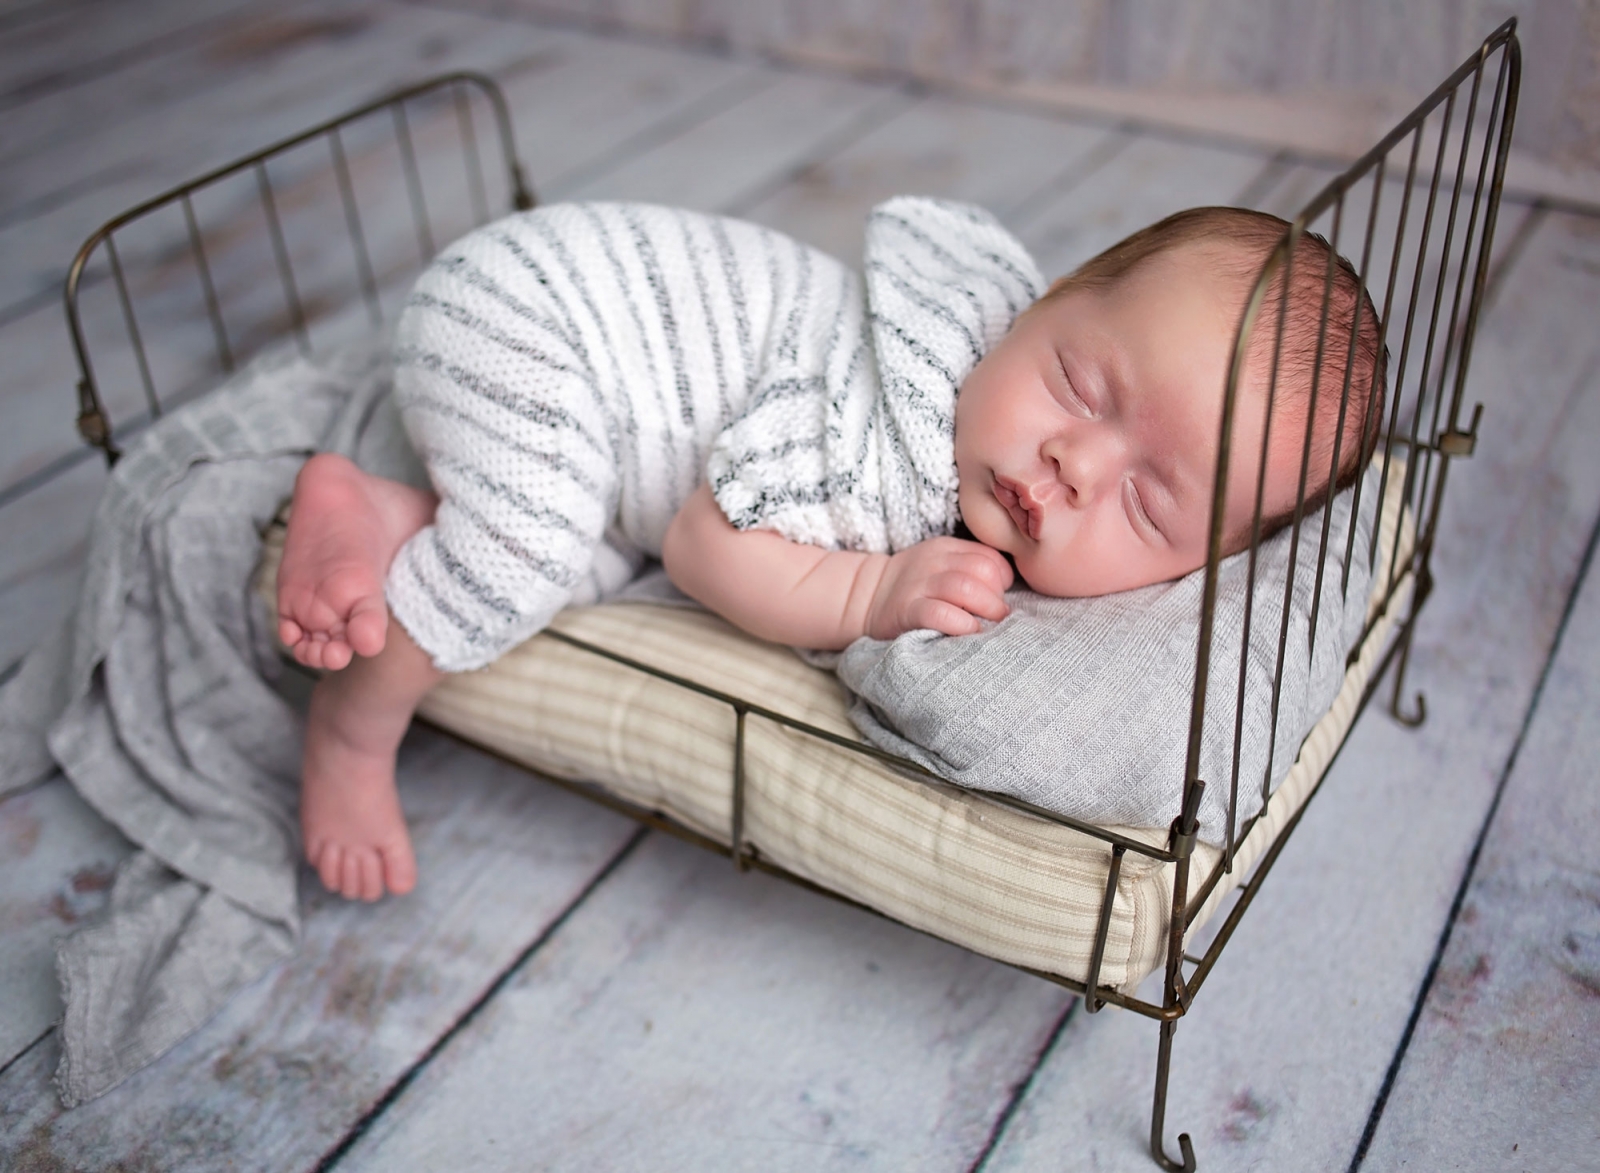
{"x":1430,"y":451}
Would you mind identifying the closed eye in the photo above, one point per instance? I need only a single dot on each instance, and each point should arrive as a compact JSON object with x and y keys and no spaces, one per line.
{"x":1074,"y":400}
{"x":1138,"y":516}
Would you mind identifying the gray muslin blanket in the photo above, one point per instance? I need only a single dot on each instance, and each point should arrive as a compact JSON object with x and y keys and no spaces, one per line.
{"x":154,"y":699}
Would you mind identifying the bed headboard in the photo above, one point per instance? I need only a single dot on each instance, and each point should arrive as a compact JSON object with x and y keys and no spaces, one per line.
{"x":343,"y":214}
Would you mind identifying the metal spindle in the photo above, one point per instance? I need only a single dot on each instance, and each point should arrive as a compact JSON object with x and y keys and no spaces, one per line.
{"x":408,"y":162}
{"x":1374,"y":383}
{"x":213,"y":308}
{"x":133,"y":327}
{"x":352,"y":220}
{"x":280,"y":252}
{"x":476,"y":187}
{"x":1338,"y":431}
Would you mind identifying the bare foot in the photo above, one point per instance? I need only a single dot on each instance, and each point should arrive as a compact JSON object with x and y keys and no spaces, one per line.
{"x":355,"y":834}
{"x":345,"y":528}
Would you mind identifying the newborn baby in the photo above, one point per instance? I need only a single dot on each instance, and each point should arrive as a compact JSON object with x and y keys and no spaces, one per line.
{"x":593,"y":385}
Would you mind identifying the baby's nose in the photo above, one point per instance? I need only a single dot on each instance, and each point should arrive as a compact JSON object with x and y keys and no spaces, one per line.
{"x":1084,"y":465}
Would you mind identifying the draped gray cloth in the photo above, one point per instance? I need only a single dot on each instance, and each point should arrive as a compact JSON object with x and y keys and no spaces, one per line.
{"x":154,"y":699}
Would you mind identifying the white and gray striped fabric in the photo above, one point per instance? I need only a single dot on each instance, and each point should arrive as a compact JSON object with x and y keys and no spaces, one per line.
{"x":566,"y":373}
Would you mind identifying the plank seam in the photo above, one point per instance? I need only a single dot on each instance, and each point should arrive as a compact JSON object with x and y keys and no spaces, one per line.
{"x":669,"y":128}
{"x":1020,"y":1089}
{"x":1116,"y":140}
{"x":883,"y":110}
{"x":58,"y":81}
{"x":370,"y":1117}
{"x":1369,"y":1133}
{"x":22,"y":1054}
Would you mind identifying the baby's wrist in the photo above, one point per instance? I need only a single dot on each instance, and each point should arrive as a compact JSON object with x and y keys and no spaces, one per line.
{"x":868,"y":594}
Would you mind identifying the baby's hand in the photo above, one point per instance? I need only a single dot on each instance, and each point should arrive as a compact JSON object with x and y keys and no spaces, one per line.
{"x":943,"y":584}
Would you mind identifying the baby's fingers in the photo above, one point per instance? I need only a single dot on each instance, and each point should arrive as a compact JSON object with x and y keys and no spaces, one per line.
{"x":930,"y":614}
{"x":972,"y":594}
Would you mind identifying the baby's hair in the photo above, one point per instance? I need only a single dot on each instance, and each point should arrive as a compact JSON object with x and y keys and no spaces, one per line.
{"x":1249,"y":237}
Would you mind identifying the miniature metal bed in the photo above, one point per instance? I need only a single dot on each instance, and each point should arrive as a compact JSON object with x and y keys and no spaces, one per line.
{"x":1424,"y":200}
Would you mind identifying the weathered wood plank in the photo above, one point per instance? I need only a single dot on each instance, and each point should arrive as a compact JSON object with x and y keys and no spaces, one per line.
{"x":1501,"y":1072}
{"x":712,"y":1013}
{"x":56,"y":861}
{"x":97,"y":149}
{"x":70,"y":44}
{"x":997,"y":157}
{"x":1149,"y":179}
{"x":1280,"y":1060}
{"x":290,"y":1064}
{"x":731,"y":159}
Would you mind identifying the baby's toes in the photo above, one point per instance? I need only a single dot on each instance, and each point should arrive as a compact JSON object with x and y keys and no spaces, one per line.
{"x":330,"y":866}
{"x":350,"y":874}
{"x":371,"y":876}
{"x":399,"y":868}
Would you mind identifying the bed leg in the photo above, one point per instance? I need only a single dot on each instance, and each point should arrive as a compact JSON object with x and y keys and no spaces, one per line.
{"x":1419,"y":712}
{"x":1158,"y":1114}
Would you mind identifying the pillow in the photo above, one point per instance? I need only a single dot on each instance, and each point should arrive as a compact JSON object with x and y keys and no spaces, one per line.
{"x":1082,"y":706}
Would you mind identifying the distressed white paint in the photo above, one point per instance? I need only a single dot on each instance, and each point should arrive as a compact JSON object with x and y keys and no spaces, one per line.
{"x":694,"y":1018}
{"x":1148,"y":179}
{"x":1501,"y":1073}
{"x":56,"y":861}
{"x":780,"y":124}
{"x":291,"y":1063}
{"x":998,"y":157}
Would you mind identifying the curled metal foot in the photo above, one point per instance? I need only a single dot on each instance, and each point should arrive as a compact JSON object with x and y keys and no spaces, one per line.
{"x":1413,"y":719}
{"x":1186,"y":1147}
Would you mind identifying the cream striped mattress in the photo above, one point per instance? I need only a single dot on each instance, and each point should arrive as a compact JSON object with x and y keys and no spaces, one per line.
{"x":996,"y":880}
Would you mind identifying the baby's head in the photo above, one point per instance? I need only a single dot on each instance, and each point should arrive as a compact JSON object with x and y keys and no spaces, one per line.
{"x":1086,"y":439}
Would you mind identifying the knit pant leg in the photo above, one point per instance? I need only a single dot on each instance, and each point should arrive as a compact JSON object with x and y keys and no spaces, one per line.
{"x":516,"y":441}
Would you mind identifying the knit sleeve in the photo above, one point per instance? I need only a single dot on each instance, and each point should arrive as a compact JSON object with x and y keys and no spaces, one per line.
{"x":857,"y":449}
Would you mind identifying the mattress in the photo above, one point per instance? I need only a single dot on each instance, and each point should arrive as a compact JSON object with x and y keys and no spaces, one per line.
{"x":957,"y":864}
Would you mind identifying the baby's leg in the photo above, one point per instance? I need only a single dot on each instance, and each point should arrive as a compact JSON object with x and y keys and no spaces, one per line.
{"x":344,"y":530}
{"x":355,"y":835}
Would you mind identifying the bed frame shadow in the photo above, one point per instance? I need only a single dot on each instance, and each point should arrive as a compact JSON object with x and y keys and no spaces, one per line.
{"x":317,"y":237}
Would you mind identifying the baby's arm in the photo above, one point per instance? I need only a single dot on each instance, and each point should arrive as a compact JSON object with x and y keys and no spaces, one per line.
{"x":814,"y":598}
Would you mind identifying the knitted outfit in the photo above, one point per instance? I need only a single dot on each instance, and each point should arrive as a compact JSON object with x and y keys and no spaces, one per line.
{"x":570,"y":375}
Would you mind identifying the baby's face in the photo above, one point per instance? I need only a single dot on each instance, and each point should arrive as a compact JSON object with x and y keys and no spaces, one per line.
{"x":1086,"y":439}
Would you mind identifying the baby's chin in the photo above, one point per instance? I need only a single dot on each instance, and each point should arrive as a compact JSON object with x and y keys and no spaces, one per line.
{"x":1058,"y":584}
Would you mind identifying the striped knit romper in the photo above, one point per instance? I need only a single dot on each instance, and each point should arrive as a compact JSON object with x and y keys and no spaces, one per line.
{"x":565,"y":373}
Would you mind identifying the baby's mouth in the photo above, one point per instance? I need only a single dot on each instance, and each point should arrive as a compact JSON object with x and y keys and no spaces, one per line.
{"x":1012,"y":498}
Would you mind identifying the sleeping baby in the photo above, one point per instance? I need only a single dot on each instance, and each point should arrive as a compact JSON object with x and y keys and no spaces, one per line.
{"x":815,"y":455}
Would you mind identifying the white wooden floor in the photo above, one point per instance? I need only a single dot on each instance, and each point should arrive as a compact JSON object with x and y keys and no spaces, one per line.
{"x":1418,"y":984}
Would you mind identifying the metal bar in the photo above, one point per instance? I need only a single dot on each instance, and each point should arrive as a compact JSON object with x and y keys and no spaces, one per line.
{"x":736,"y":829}
{"x":1158,"y":1112}
{"x":213,"y":309}
{"x":1373,"y":411}
{"x":1338,"y":431}
{"x":1408,"y":494}
{"x":133,"y":327}
{"x":1294,"y":538}
{"x":408,"y":163}
{"x":352,"y":219}
{"x":469,"y":142}
{"x":93,"y":421}
{"x":1440,"y":283}
{"x":280,"y":251}
{"x":1392,"y":430}
{"x":1102,"y":929}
